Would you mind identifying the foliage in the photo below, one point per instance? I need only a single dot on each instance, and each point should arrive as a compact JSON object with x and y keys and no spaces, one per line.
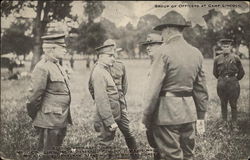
{"x":15,"y":40}
{"x":93,"y":9}
{"x":52,"y":10}
{"x":90,"y":34}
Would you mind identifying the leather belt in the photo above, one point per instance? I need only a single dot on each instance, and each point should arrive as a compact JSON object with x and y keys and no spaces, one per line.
{"x":229,"y":75}
{"x":176,"y":94}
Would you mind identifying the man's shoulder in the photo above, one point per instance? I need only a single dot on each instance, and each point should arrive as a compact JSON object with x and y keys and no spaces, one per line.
{"x":98,"y":71}
{"x":235,"y":56}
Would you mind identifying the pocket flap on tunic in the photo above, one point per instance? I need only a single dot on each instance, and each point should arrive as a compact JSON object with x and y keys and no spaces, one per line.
{"x":50,"y":109}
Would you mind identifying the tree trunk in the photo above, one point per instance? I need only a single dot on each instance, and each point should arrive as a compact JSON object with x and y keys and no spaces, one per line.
{"x":37,"y":52}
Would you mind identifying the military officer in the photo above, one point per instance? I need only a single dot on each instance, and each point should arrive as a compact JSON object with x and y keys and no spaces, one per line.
{"x":177,"y":94}
{"x":108,"y":86}
{"x":118,"y":73}
{"x":50,"y":89}
{"x":228,"y":70}
{"x":152,"y":42}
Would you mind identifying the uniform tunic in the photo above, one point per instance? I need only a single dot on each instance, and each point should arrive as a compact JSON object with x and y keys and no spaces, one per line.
{"x":50,"y":84}
{"x":228,"y":70}
{"x":177,"y":68}
{"x":105,"y":95}
{"x":176,"y":96}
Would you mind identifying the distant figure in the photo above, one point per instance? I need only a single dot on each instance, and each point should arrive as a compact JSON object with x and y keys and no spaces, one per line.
{"x":14,"y":76}
{"x":94,"y":59}
{"x":11,"y":66}
{"x":72,"y":62}
{"x":228,"y":70}
{"x":88,"y":62}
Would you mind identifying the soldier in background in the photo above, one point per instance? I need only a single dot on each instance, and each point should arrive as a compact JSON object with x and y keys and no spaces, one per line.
{"x":152,"y":43}
{"x":176,"y":99}
{"x":50,"y":96}
{"x":118,"y":73}
{"x":228,"y":70}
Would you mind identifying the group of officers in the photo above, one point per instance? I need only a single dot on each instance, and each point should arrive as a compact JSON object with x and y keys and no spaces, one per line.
{"x":175,"y":100}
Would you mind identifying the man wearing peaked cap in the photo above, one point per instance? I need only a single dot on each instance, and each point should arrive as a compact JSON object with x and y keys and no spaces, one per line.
{"x":49,"y":100}
{"x":110,"y":101}
{"x":176,"y":99}
{"x":152,"y":42}
{"x":228,"y":70}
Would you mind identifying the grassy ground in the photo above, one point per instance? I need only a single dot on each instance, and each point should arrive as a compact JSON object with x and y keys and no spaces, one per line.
{"x":218,"y":142}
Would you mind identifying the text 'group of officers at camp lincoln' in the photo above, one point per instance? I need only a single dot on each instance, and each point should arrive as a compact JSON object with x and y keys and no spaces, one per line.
{"x":175,"y":100}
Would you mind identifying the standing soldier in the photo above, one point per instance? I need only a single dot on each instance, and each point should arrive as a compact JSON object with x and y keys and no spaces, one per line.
{"x":118,"y":73}
{"x":177,"y":93}
{"x":50,"y":95}
{"x":228,"y":70}
{"x":111,"y":106}
{"x":152,"y":43}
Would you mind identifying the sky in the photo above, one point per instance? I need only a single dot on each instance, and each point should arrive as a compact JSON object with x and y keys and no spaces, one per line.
{"x":123,"y":12}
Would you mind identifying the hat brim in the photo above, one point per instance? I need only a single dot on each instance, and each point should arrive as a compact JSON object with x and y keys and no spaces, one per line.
{"x":149,"y":43}
{"x":162,"y":26}
{"x":101,"y":47}
{"x":53,"y":37}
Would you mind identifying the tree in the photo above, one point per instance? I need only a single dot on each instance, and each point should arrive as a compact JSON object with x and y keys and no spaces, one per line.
{"x":52,"y":10}
{"x":15,"y":40}
{"x":93,"y":9}
{"x":91,"y":34}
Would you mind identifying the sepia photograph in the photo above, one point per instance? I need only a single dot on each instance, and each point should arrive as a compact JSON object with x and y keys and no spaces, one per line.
{"x":125,"y":80}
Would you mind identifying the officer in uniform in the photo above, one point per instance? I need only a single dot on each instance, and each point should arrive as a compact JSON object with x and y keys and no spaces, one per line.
{"x":118,"y":73}
{"x":152,"y":42}
{"x":50,"y":89}
{"x":177,"y":94}
{"x":228,"y":70}
{"x":108,"y":86}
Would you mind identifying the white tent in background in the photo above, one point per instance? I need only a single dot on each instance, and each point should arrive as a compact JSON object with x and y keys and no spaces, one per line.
{"x":9,"y":55}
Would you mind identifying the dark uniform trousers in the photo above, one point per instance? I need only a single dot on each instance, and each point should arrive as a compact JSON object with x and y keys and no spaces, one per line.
{"x":228,"y":70}
{"x":50,"y":140}
{"x":228,"y":90}
{"x":106,"y":136}
{"x":123,"y":125}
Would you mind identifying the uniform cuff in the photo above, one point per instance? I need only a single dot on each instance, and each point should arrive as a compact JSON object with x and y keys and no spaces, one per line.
{"x":201,"y":115}
{"x":109,"y":121}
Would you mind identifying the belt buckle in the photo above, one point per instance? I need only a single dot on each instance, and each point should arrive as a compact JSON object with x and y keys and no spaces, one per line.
{"x":169,"y":94}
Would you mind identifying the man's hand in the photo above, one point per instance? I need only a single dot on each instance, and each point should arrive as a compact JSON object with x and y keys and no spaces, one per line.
{"x":113,"y":127}
{"x":200,"y":127}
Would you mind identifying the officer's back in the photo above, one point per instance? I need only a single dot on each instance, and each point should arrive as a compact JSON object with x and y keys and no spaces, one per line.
{"x":182,"y":64}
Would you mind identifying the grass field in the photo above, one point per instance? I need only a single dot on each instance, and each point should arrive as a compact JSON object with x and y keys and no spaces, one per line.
{"x":218,"y":142}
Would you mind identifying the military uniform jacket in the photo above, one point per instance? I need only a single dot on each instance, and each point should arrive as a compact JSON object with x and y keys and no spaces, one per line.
{"x":177,"y":68}
{"x":105,"y":95}
{"x":228,"y":65}
{"x":50,"y":84}
{"x":119,"y":76}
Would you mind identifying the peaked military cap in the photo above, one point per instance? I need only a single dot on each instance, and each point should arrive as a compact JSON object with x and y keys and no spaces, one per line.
{"x":58,"y":39}
{"x":153,"y":38}
{"x":172,"y":19}
{"x":225,"y":41}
